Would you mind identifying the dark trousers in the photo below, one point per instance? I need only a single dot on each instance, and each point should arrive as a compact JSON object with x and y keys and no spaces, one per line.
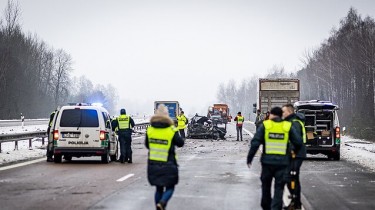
{"x":269,"y":172}
{"x":126,"y":152}
{"x":163,"y":194}
{"x":297,"y":163}
{"x":239,"y":132}
{"x":49,"y":143}
{"x":182,"y":133}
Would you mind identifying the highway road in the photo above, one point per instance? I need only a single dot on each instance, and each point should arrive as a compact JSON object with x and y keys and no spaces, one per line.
{"x":213,"y":175}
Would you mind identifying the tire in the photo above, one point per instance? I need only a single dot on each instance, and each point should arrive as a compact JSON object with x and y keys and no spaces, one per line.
{"x":57,"y":159}
{"x":115,"y":156}
{"x":336,"y":156}
{"x":67,"y":158}
{"x":106,"y":158}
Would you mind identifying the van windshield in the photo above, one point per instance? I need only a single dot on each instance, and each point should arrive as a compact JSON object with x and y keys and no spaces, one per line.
{"x":79,"y":118}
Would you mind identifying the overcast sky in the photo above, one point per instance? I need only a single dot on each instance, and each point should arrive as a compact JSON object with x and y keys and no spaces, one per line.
{"x":181,"y":50}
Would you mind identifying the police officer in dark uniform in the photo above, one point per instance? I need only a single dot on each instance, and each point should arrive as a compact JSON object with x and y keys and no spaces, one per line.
{"x":50,"y":138}
{"x":124,"y":124}
{"x":298,"y":122}
{"x":275,"y":135}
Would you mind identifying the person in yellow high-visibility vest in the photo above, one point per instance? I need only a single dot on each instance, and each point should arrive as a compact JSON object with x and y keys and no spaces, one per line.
{"x":124,"y":125}
{"x":161,"y":138}
{"x":182,"y":121}
{"x":275,"y":135}
{"x":239,"y":119}
{"x":298,"y":122}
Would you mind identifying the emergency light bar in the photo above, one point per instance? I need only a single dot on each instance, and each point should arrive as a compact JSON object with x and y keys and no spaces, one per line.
{"x":85,"y":104}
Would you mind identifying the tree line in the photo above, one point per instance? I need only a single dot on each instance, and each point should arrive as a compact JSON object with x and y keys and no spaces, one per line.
{"x":340,"y":70}
{"x":35,"y":78}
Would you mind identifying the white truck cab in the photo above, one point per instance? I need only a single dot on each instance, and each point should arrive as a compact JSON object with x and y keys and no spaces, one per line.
{"x":83,"y":130}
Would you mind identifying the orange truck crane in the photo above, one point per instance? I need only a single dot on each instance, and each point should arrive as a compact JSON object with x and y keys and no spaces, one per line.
{"x":221,"y":112}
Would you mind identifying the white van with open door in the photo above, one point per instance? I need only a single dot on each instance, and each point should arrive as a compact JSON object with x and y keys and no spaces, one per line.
{"x":83,"y":130}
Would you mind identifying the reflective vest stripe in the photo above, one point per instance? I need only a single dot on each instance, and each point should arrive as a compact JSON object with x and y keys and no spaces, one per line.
{"x":303,"y":129}
{"x":160,"y":141}
{"x":124,"y":122}
{"x":276,"y":137}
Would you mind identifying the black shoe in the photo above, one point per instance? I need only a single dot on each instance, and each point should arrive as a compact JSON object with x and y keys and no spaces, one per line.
{"x":237,"y":140}
{"x":129,"y":161}
{"x":49,"y":159}
{"x":160,"y":206}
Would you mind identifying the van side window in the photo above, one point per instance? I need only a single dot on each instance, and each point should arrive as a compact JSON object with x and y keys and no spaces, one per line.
{"x":79,"y":118}
{"x":106,"y":118}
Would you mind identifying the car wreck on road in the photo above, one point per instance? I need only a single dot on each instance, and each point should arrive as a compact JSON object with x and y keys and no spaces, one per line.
{"x":203,"y":128}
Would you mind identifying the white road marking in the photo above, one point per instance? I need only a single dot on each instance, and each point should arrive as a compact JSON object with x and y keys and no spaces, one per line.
{"x":22,"y":164}
{"x":125,"y":178}
{"x":248,"y":132}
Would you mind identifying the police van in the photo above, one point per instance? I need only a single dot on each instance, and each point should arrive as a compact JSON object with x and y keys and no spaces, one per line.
{"x":322,"y":127}
{"x":82,"y":130}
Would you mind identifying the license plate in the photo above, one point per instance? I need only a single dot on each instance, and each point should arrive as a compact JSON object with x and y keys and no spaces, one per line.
{"x":70,"y":135}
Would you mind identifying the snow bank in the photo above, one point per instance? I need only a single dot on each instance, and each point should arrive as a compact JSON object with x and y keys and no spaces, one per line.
{"x":358,"y":151}
{"x":9,"y":155}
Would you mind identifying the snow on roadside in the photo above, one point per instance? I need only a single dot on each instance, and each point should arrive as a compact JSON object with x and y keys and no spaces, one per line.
{"x":19,"y":129}
{"x":9,"y":155}
{"x":358,"y":151}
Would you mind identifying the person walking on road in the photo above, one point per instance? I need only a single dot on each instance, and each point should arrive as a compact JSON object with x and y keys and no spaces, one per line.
{"x":239,"y":119}
{"x":124,"y":124}
{"x":275,"y":135}
{"x":182,"y":121}
{"x":162,"y":171}
{"x":298,"y":122}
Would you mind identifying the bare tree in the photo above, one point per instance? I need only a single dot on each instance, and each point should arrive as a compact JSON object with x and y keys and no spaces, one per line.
{"x":63,"y":66}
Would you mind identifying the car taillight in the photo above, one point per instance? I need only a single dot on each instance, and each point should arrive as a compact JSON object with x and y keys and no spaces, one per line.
{"x":337,"y":132}
{"x":56,"y":135}
{"x":102,"y":135}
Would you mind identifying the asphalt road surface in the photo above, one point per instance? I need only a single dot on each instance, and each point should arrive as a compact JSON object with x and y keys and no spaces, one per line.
{"x":11,"y":123}
{"x":213,"y":175}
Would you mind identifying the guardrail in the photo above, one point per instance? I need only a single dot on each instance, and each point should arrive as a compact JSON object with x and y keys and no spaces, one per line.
{"x":22,"y":136}
{"x":42,"y":134}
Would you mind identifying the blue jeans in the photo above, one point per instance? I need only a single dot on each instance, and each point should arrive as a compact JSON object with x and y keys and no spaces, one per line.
{"x":163,"y":194}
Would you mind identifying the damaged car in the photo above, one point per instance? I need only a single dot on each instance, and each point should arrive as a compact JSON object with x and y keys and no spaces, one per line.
{"x":203,"y":128}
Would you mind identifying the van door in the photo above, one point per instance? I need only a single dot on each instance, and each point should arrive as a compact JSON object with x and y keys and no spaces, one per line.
{"x":109,"y":133}
{"x":79,"y":128}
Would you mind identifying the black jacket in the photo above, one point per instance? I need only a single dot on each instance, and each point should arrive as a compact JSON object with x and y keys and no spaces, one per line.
{"x":258,"y":139}
{"x":160,"y":173}
{"x":297,"y":126}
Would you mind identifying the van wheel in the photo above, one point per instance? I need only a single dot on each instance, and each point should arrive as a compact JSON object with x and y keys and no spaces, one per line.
{"x":67,"y":158}
{"x":336,"y":156}
{"x":114,"y":157}
{"x":57,"y":158}
{"x":105,"y":158}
